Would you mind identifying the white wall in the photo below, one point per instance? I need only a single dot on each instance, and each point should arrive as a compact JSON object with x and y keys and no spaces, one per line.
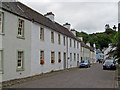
{"x":10,"y":46}
{"x":106,"y":51}
{"x":31,"y":46}
{"x":73,"y":50}
{"x":47,"y":47}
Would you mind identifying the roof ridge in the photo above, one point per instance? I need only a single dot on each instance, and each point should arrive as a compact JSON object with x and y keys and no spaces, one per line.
{"x":35,"y":16}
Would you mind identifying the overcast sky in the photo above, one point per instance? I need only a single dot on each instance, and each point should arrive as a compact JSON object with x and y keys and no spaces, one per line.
{"x":84,"y":16}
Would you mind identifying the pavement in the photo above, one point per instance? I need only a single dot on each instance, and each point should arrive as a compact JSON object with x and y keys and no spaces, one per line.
{"x":93,"y":77}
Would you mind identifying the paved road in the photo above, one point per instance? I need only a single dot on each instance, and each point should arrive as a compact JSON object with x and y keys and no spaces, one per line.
{"x":93,"y":77}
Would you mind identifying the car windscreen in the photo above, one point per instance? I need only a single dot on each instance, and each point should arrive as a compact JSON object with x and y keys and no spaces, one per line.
{"x":82,"y":61}
{"x":109,"y":61}
{"x":85,"y":61}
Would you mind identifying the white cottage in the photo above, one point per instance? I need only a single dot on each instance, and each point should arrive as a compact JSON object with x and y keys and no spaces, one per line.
{"x":31,"y":43}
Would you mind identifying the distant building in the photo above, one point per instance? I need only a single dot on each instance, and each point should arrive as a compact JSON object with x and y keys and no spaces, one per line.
{"x":107,"y":26}
{"x":99,"y":55}
{"x":114,"y":27}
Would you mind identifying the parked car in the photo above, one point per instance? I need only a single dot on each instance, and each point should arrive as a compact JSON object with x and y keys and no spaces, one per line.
{"x":109,"y":64}
{"x":85,"y":63}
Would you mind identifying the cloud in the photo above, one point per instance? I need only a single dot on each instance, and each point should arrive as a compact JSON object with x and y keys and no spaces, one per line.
{"x":83,"y":16}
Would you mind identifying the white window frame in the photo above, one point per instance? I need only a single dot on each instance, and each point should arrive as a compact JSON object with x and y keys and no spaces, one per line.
{"x":70,"y":56}
{"x":1,"y":61}
{"x":70,"y":42}
{"x":77,"y":57}
{"x":59,"y":55}
{"x":52,"y":55}
{"x":74,"y":56}
{"x":20,"y":26}
{"x":41,"y":55}
{"x":59,"y":39}
{"x":41,"y":33}
{"x":74,"y":44}
{"x":2,"y":21}
{"x":20,"y":57}
{"x":52,"y":36}
{"x":64,"y":40}
{"x":78,"y":45}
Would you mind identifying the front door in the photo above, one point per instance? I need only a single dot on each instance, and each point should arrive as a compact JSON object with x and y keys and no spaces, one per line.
{"x":64,"y":60}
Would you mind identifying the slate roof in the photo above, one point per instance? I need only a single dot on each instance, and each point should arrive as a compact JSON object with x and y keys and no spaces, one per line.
{"x":21,"y":10}
{"x":26,"y":12}
{"x":84,"y":45}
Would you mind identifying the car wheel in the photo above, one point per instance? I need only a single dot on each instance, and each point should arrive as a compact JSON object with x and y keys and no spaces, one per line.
{"x":87,"y":66}
{"x":103,"y":68}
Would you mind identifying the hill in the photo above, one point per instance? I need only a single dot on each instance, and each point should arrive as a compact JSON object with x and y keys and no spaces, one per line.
{"x":100,"y":39}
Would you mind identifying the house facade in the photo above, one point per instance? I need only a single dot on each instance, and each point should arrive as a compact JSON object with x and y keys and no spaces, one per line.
{"x":15,"y":46}
{"x":107,"y":50}
{"x":31,"y":43}
{"x":99,"y":55}
{"x":88,"y":52}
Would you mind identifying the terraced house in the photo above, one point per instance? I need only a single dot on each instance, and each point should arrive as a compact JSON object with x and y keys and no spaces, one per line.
{"x":32,"y":43}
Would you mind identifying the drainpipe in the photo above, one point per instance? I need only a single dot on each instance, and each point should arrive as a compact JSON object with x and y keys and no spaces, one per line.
{"x":67,"y":52}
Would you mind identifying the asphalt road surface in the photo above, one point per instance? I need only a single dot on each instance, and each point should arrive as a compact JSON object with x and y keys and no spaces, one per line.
{"x":93,"y":77}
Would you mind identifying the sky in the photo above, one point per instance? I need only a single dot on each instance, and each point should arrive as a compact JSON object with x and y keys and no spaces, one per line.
{"x":89,"y":16}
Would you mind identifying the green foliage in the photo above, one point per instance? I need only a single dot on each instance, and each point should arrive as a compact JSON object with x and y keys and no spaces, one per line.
{"x":101,"y":39}
{"x":116,"y":45}
{"x":110,"y":31}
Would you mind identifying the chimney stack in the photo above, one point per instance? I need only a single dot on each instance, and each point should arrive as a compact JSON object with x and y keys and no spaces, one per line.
{"x":80,"y":37}
{"x":88,"y":44}
{"x":50,"y":15}
{"x":67,"y":25}
{"x":73,"y":31}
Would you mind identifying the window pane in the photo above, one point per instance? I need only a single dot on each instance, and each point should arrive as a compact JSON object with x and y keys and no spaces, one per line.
{"x":52,"y":56}
{"x":64,"y":40}
{"x":59,"y":55}
{"x":42,"y":55}
{"x":52,"y":37}
{"x":21,"y":27}
{"x":1,"y":23}
{"x":41,"y":33}
{"x":20,"y":59}
{"x":70,"y":56}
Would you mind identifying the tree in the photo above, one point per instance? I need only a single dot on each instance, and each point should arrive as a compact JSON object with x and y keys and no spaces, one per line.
{"x":116,"y":45}
{"x":101,"y":39}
